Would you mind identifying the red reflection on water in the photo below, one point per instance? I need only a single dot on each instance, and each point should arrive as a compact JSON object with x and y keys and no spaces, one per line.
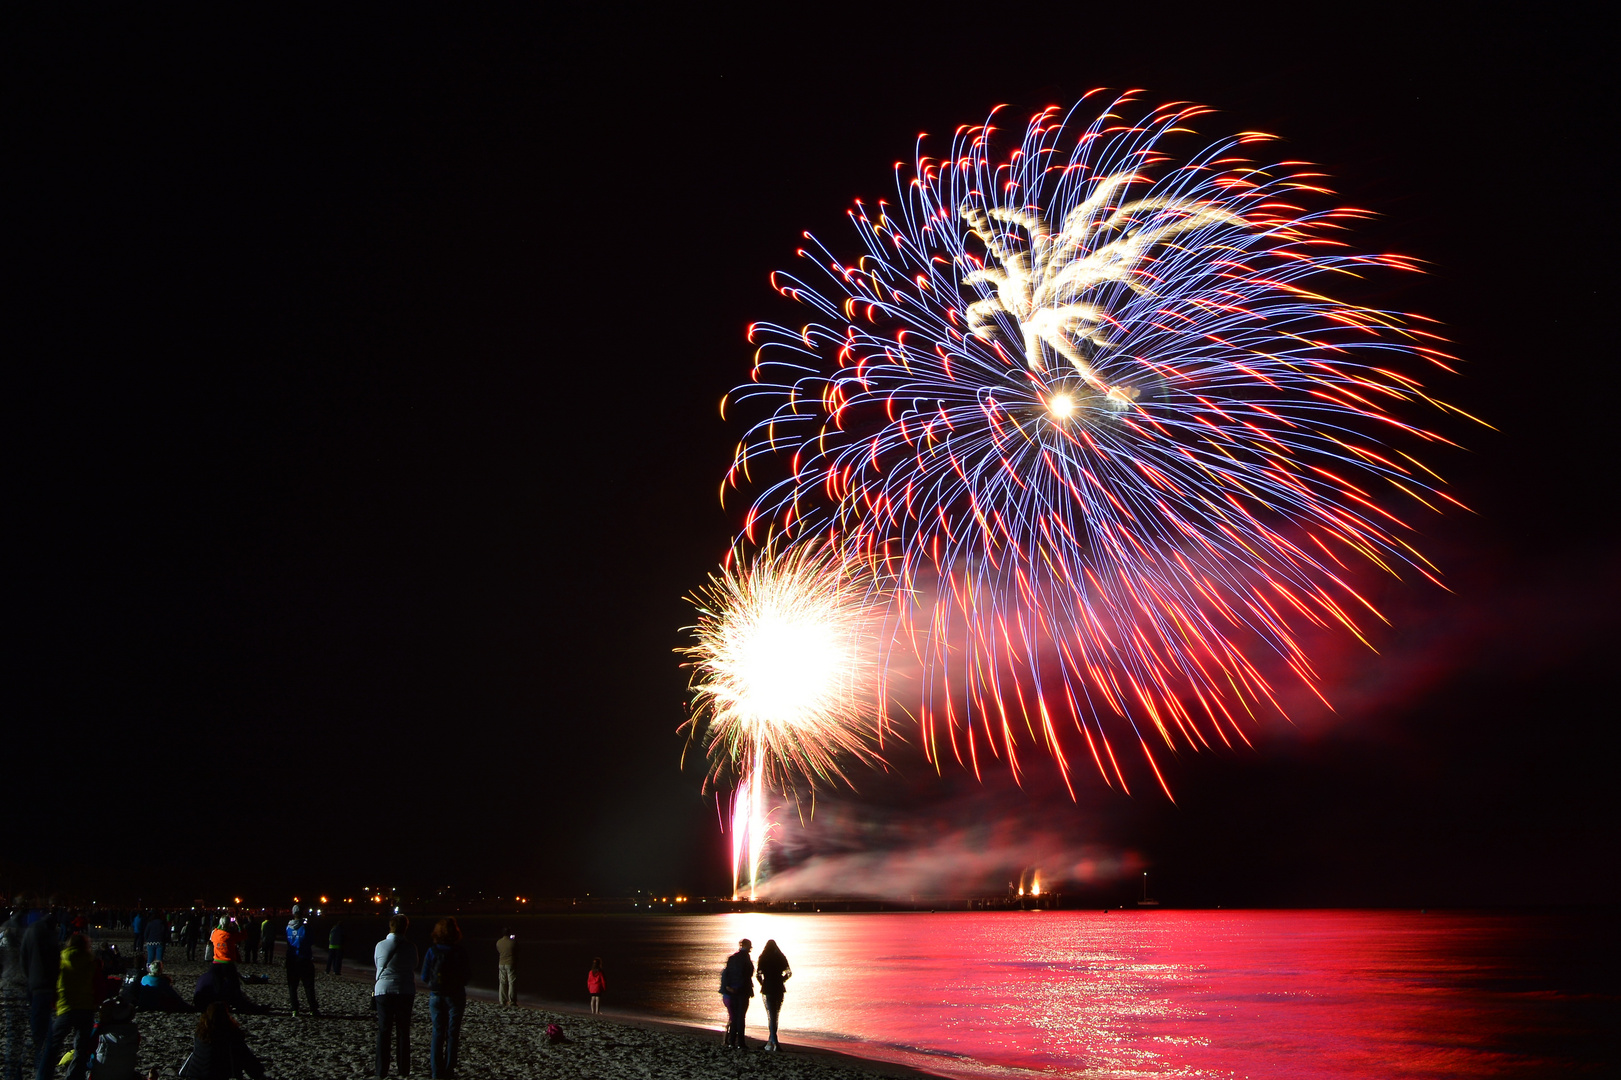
{"x":1146,"y":994}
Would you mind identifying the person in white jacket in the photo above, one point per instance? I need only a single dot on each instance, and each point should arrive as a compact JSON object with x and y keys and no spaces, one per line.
{"x":394,"y":994}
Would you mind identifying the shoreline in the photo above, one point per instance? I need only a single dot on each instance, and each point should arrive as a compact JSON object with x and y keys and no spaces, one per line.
{"x":698,"y":1033}
{"x":498,"y":1042}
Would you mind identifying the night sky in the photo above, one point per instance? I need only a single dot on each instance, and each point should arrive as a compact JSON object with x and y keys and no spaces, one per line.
{"x":363,"y":442}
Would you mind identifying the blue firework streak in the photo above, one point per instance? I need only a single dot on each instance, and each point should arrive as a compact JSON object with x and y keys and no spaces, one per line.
{"x":1089,"y":412}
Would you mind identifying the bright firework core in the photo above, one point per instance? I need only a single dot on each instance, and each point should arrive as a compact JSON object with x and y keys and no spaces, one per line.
{"x":784,"y":677}
{"x":788,"y":662}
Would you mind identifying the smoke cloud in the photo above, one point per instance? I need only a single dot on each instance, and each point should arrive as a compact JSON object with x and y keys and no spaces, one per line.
{"x":849,"y":851}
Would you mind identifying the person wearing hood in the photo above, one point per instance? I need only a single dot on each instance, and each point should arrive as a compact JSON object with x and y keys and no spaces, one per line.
{"x":118,"y":1043}
{"x":13,"y":998}
{"x":41,"y":961}
{"x":78,"y":978}
{"x":300,"y":961}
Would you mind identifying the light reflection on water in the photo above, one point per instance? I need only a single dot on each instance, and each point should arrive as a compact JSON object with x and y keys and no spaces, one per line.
{"x":1159,"y":994}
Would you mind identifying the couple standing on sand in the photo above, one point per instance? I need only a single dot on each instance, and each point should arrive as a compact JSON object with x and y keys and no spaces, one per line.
{"x":737,"y":987}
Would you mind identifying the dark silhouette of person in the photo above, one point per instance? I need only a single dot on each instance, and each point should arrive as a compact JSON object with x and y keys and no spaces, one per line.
{"x":736,"y":987}
{"x":773,"y":972}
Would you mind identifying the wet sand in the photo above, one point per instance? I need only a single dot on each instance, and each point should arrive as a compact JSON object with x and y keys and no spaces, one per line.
{"x":498,"y":1042}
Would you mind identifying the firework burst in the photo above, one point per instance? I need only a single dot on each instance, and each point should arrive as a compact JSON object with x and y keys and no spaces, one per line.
{"x":783,"y":682}
{"x":1086,"y":411}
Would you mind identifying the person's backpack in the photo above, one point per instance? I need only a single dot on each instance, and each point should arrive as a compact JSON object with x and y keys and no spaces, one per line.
{"x":433,"y":969}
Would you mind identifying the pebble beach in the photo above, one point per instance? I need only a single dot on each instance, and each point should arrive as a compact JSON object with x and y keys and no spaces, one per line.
{"x":498,"y":1042}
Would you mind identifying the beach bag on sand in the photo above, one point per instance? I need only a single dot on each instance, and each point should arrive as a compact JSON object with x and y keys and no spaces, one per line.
{"x":554,"y":1034}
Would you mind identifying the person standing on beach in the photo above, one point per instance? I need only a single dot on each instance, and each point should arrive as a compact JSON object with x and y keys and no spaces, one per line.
{"x":446,"y":969}
{"x":78,"y":980}
{"x":595,"y":983}
{"x":250,"y":945}
{"x":190,"y":933}
{"x":773,"y":972}
{"x":300,"y":961}
{"x":13,"y":998}
{"x":334,"y":949}
{"x":226,"y":941}
{"x":394,"y":994}
{"x":267,"y":938}
{"x":156,"y":933}
{"x":736,"y":987}
{"x":42,"y":959}
{"x":506,"y":967}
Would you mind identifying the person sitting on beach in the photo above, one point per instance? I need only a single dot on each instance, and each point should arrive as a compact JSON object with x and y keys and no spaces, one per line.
{"x":773,"y":972}
{"x":506,"y":967}
{"x":117,"y":1042}
{"x":394,"y":994}
{"x":595,"y":983}
{"x":215,"y":985}
{"x":736,"y":987}
{"x":219,"y":1050}
{"x":446,"y":970}
{"x":157,"y":992}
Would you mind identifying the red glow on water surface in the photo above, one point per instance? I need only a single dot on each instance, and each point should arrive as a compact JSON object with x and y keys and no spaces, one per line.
{"x":1150,"y":994}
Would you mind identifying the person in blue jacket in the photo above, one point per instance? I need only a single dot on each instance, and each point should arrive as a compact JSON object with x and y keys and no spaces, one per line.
{"x":300,"y":961}
{"x":446,"y":969}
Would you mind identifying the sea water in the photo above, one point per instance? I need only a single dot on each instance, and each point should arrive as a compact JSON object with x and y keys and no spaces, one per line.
{"x":1139,"y":994}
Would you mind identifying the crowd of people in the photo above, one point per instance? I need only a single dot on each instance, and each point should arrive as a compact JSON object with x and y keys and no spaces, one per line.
{"x":66,"y":999}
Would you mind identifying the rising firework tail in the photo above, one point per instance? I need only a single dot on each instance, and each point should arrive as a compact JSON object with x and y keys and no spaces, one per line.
{"x":1085,"y":411}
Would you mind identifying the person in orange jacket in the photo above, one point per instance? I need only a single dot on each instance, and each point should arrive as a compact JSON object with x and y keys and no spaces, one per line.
{"x":227,"y":940}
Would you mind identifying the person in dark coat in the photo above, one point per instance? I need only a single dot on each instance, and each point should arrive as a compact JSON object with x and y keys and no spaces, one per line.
{"x":334,"y":949}
{"x":42,"y":959}
{"x":446,"y":969}
{"x":190,"y":934}
{"x":736,"y":988}
{"x":301,"y":961}
{"x":773,"y":972}
{"x":219,"y":1050}
{"x":156,"y":935}
{"x":214,"y":985}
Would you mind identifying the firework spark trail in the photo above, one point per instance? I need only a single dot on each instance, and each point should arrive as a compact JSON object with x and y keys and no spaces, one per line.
{"x":1084,"y":410}
{"x":783,"y":682}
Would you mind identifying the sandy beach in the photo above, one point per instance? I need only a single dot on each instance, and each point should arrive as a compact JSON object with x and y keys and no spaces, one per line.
{"x":497,"y":1042}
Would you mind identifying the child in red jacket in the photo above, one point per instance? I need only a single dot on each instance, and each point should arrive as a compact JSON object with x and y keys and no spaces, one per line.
{"x":596,"y":982}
